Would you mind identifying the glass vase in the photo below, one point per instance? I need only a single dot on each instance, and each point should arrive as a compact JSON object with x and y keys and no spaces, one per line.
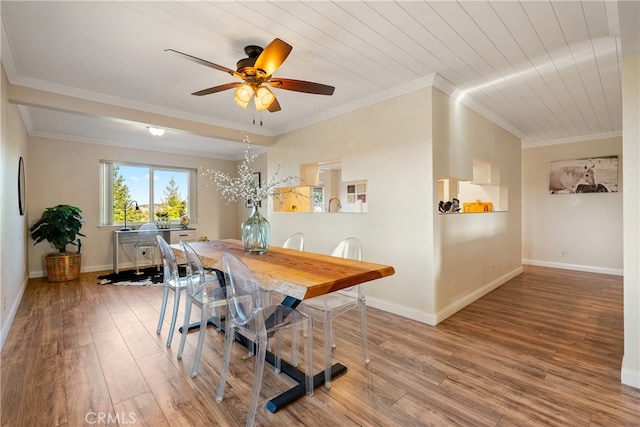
{"x":256,"y":231}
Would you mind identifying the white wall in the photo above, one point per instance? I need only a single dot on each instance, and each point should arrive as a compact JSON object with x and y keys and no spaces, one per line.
{"x":630,"y":373}
{"x":588,"y":227}
{"x":63,"y":172}
{"x":13,"y":246}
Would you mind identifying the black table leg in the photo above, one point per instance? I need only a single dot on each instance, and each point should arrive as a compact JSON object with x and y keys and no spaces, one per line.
{"x":299,"y":390}
{"x":196,"y":325}
{"x":296,"y":374}
{"x":295,"y":392}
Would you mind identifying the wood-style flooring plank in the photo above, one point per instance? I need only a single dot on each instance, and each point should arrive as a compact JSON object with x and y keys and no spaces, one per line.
{"x":121,"y":372}
{"x":87,"y":395}
{"x":544,"y":349}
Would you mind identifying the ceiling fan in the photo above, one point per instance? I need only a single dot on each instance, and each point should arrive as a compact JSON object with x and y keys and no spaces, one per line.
{"x":256,"y":72}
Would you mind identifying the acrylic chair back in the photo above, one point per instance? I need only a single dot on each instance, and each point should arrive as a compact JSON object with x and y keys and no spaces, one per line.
{"x":349,"y":248}
{"x":146,"y":238}
{"x":172,"y":281}
{"x":206,"y":293}
{"x":147,"y":234}
{"x":171,"y":272}
{"x":295,"y":241}
{"x":243,"y":294}
{"x":195,"y":271}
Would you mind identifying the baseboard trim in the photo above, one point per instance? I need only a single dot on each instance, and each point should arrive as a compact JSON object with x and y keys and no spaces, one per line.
{"x":400,"y":310}
{"x":6,"y":327}
{"x":576,"y":267}
{"x":433,"y":319}
{"x":90,"y":269}
{"x":467,"y":299}
{"x":628,"y":376}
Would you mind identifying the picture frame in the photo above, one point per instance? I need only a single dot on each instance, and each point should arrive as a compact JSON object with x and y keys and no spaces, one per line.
{"x":257,"y":180}
{"x":585,"y":175}
{"x":22,"y":194}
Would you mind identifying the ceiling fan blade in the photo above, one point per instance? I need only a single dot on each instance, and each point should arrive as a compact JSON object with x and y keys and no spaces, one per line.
{"x":216,"y":89}
{"x":275,"y":105}
{"x":302,"y":86}
{"x":206,"y":63}
{"x":273,"y":56}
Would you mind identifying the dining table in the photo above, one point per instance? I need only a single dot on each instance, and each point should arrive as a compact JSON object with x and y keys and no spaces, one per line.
{"x":298,"y":275}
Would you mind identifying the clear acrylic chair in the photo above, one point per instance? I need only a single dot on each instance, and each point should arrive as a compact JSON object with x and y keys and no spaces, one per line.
{"x":205,"y":291}
{"x":146,"y":239}
{"x":247,"y":317}
{"x":172,"y":282}
{"x":327,"y":307}
{"x":295,"y":241}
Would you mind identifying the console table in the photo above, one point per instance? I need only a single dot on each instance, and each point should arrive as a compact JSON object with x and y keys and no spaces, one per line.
{"x":171,"y":235}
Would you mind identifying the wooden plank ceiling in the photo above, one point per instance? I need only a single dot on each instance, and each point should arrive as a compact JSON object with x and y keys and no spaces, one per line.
{"x":544,"y":70}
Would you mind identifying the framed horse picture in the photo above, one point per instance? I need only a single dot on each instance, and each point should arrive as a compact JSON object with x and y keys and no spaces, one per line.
{"x":588,"y":175}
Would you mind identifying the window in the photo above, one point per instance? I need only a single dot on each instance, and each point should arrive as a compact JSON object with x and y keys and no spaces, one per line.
{"x":159,"y":192}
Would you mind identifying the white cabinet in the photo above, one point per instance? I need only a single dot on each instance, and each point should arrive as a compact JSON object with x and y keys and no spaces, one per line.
{"x":188,"y":235}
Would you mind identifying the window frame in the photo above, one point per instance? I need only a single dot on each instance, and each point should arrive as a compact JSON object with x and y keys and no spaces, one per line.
{"x":106,"y":190}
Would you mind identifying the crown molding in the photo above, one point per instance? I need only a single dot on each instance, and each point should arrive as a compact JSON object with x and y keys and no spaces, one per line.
{"x":570,"y":140}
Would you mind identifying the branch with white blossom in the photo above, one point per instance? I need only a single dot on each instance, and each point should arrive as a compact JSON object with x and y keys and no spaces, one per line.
{"x":244,"y":186}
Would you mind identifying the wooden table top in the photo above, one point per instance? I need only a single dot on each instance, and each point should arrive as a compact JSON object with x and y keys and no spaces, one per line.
{"x":298,"y":274}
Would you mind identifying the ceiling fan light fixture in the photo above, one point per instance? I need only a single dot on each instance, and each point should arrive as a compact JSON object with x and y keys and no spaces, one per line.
{"x":244,"y":93}
{"x":254,"y":71}
{"x":264,"y":98}
{"x":156,"y":131}
{"x":240,"y":102}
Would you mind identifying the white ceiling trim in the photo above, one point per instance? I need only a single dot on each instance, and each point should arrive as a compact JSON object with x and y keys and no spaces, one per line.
{"x":129,"y":145}
{"x":26,"y":119}
{"x":584,"y":138}
{"x":361,"y":103}
{"x":8,"y":61}
{"x":126,"y":103}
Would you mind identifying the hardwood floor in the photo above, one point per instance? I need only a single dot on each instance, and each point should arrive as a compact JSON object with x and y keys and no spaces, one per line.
{"x":544,"y":349}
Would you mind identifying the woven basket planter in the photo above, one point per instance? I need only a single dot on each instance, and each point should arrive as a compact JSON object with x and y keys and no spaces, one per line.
{"x":63,"y":267}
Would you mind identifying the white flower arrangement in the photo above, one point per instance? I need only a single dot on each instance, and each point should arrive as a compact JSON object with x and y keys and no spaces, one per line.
{"x":245,"y":186}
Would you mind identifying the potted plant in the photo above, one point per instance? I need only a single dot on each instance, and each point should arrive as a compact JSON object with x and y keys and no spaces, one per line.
{"x":60,"y":226}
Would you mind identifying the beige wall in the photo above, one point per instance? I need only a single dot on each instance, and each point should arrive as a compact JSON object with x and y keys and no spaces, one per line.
{"x":394,"y":146}
{"x":474,"y":252}
{"x":587,"y":226}
{"x":13,"y":247}
{"x":63,"y":172}
{"x":631,"y":212}
{"x":388,"y":145}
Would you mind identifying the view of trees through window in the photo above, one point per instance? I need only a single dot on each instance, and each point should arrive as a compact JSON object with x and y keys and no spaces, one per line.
{"x":163,"y":197}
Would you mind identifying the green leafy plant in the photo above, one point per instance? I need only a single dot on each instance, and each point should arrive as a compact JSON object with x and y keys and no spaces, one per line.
{"x":59,"y":226}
